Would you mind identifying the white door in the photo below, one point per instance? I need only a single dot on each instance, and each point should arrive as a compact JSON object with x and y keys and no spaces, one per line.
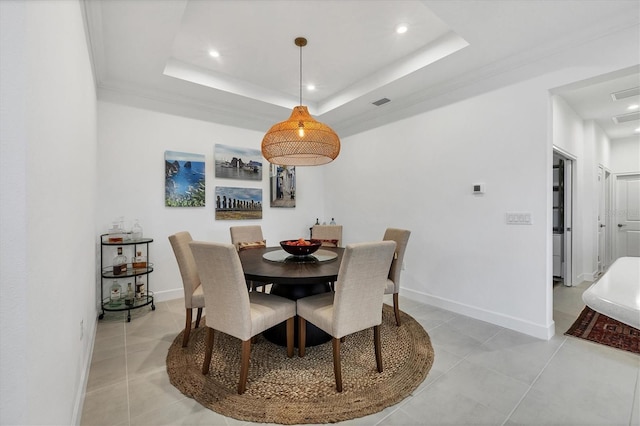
{"x":627,"y":215}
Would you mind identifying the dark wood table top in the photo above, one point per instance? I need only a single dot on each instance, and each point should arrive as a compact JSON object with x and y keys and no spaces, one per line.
{"x":289,"y":273}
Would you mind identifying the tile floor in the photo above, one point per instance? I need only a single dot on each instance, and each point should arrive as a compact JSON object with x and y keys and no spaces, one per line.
{"x":482,"y":374}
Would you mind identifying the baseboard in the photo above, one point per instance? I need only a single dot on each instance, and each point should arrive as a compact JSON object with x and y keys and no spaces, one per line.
{"x":164,"y":295}
{"x":517,"y":324}
{"x":587,"y":276}
{"x":84,"y":379}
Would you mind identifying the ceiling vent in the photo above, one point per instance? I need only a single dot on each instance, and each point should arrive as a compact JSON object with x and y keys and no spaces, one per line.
{"x":625,"y":118}
{"x":623,"y":94}
{"x":381,"y":101}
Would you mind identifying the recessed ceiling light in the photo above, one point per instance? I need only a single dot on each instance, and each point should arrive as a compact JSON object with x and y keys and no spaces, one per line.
{"x":402,"y":28}
{"x":214,"y":53}
{"x":632,"y":107}
{"x":311,"y":87}
{"x":637,"y":130}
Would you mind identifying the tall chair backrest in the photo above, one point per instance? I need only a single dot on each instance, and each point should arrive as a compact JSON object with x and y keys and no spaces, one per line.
{"x":245,"y":234}
{"x":225,"y":291}
{"x":327,"y":234}
{"x":401,"y":237}
{"x":361,"y":281}
{"x":187,"y":265}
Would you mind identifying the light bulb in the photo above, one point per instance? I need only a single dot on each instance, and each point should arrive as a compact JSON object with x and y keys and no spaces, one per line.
{"x":301,"y":131}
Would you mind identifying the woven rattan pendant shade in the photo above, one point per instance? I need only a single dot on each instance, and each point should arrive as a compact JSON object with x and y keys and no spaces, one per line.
{"x":301,"y":140}
{"x":283,"y":144}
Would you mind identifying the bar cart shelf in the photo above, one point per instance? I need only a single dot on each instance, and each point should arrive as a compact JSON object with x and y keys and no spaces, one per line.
{"x":131,"y":247}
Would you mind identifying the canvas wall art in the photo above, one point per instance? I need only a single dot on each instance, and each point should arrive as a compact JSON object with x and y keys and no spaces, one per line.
{"x":232,"y":162}
{"x":282,"y":183}
{"x":238,"y":203}
{"x":184,"y":179}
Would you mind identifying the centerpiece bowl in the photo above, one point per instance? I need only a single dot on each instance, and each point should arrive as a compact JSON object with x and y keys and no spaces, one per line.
{"x":300,"y":247}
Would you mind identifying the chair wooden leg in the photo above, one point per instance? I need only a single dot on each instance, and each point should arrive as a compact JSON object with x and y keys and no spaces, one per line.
{"x":187,"y":328}
{"x":378,"y":347}
{"x":396,"y":308}
{"x":337,"y":368}
{"x":290,"y":328}
{"x":198,"y":317}
{"x":302,"y":335}
{"x":244,"y":367}
{"x":207,"y":351}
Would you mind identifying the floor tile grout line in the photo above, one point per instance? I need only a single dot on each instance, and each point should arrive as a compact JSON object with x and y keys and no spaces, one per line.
{"x":126,"y":374}
{"x":635,"y":398}
{"x":534,"y":381}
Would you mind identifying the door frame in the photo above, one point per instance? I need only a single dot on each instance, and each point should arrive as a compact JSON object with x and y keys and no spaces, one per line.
{"x":569,"y":202}
{"x":614,"y":210}
{"x":604,"y":219}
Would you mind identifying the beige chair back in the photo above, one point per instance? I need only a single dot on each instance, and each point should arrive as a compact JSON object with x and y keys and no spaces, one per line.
{"x":327,"y":233}
{"x":187,"y":265}
{"x":401,"y":237}
{"x":245,"y":234}
{"x":225,"y":291}
{"x":360,"y":287}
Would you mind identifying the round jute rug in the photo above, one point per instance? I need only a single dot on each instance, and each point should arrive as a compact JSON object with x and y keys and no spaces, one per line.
{"x":302,"y":390}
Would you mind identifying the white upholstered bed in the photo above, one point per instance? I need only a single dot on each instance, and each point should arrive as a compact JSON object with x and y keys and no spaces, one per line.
{"x":617,"y":293}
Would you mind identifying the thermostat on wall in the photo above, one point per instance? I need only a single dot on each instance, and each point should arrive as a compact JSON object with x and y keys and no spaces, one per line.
{"x":478,"y":188}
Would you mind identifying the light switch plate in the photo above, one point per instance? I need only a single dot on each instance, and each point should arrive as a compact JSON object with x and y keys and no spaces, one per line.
{"x":519,"y":218}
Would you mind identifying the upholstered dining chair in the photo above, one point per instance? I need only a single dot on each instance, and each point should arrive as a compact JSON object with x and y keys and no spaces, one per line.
{"x":238,"y":313}
{"x":356,"y":303}
{"x":329,"y":235}
{"x":245,"y":238}
{"x":401,"y":237}
{"x":193,"y":295}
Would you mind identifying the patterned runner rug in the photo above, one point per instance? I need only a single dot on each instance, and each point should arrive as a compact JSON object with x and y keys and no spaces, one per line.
{"x":599,"y":328}
{"x":302,"y":390}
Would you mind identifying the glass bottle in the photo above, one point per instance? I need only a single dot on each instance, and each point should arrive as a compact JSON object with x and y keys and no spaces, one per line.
{"x":128,"y":299}
{"x":139,"y":287}
{"x":119,"y":263}
{"x":140,"y":261}
{"x":333,"y":222}
{"x":116,"y":294}
{"x":136,"y":231}
{"x":317,"y":221}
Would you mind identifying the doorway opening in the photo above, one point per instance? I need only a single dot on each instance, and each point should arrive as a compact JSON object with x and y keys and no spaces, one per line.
{"x":562,"y":218}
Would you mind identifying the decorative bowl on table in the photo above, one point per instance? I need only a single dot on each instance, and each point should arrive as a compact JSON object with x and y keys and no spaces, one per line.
{"x":300,"y":247}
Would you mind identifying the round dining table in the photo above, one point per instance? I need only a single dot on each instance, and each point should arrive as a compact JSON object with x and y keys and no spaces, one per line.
{"x":294,"y":278}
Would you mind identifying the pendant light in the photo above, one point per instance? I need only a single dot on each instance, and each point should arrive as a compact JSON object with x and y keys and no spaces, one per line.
{"x":301,"y":140}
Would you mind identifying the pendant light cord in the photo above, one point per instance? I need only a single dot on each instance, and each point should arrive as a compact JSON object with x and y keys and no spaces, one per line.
{"x":300,"y":75}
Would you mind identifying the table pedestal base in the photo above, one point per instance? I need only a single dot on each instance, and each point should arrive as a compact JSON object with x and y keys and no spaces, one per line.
{"x":278,"y":334}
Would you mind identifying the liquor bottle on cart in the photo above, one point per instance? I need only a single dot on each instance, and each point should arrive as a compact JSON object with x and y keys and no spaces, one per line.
{"x":139,"y":288}
{"x":128,"y":299}
{"x":119,"y":263}
{"x":140,"y":261}
{"x":136,"y":231}
{"x":115,"y":297}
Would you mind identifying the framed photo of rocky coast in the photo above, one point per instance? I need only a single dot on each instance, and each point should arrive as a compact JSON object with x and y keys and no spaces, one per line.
{"x":282,"y":184}
{"x":184,"y":179}
{"x":238,"y":203}
{"x":232,"y":162}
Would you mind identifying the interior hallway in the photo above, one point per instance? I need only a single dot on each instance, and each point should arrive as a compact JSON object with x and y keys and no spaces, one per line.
{"x":482,"y":374}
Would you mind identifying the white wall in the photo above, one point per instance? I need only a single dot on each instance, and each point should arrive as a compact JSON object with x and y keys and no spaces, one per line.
{"x":418,"y":174}
{"x":625,"y":155}
{"x":48,"y":209}
{"x":568,"y":137}
{"x":132,"y":143}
